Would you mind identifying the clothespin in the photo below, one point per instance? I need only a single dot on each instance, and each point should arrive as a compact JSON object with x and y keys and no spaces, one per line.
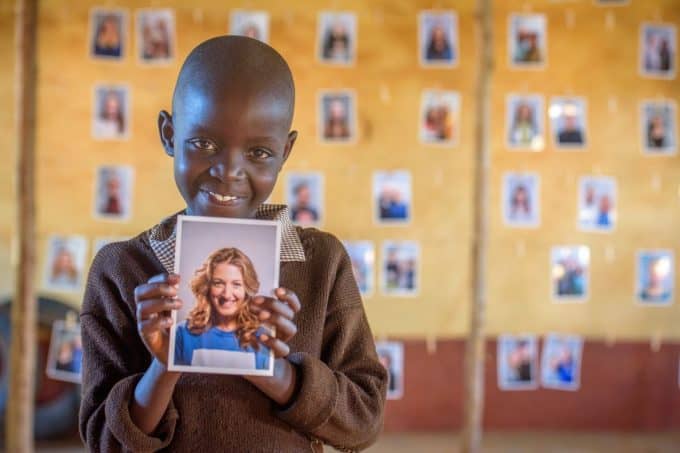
{"x":610,"y":21}
{"x":197,"y":15}
{"x":520,"y":248}
{"x":384,"y":93}
{"x":431,"y":344}
{"x":570,"y":18}
{"x":656,"y":341}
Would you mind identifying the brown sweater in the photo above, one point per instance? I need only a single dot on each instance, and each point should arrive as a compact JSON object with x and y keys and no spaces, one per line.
{"x":342,"y":384}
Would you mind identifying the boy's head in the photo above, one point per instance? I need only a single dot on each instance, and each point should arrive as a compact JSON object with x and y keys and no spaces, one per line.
{"x":229,"y":132}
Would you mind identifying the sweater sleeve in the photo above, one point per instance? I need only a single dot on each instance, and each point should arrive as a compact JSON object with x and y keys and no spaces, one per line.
{"x":341,"y":396}
{"x":114,"y":360}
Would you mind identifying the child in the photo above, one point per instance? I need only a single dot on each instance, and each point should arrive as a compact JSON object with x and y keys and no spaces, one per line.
{"x":229,"y":135}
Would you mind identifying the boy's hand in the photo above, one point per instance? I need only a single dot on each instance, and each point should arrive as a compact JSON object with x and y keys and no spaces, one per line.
{"x":279,"y":313}
{"x":154,"y":301}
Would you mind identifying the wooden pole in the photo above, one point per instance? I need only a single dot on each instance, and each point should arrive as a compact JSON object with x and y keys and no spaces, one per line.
{"x":474,"y":349}
{"x":19,"y":415}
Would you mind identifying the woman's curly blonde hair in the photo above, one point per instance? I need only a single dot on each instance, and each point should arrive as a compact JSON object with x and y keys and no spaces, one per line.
{"x":202,"y":317}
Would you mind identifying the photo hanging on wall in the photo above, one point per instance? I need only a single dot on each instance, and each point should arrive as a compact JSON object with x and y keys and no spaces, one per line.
{"x":440,"y":117}
{"x":305,"y":197}
{"x":362,"y":256}
{"x":253,"y":24}
{"x":65,"y":263}
{"x":658,"y":50}
{"x":561,"y":362}
{"x":568,"y":121}
{"x":524,"y":122}
{"x":392,"y":197}
{"x":111,"y":117}
{"x":521,"y":200}
{"x":658,"y":127}
{"x":438,"y":38}
{"x":597,"y":204}
{"x":400,"y":273}
{"x":337,"y":38}
{"x":527,"y":41}
{"x":655,"y":278}
{"x":517,"y":362}
{"x":156,"y":38}
{"x":570,"y":273}
{"x":336,"y":117}
{"x":65,"y":355}
{"x":113,"y":192}
{"x":108,"y":34}
{"x":391,"y":356}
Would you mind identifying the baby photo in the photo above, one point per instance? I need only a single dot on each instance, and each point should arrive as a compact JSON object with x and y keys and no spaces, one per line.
{"x":524,"y":122}
{"x":65,"y":356}
{"x":392,"y":197}
{"x":655,"y":277}
{"x":362,"y":255}
{"x":659,"y":128}
{"x":597,"y":204}
{"x":517,"y":362}
{"x":337,"y":38}
{"x":568,"y":122}
{"x":561,"y":362}
{"x":391,"y":355}
{"x":223,"y":264}
{"x":253,"y":24}
{"x":337,"y":117}
{"x":65,"y":263}
{"x":438,"y":38}
{"x":658,"y":49}
{"x":400,"y":268}
{"x":527,"y":41}
{"x":113,"y":192}
{"x":570,"y":273}
{"x":440,"y":117}
{"x":521,"y":200}
{"x":108,"y":33}
{"x":304,"y":197}
{"x":111,"y":112}
{"x":155,"y":35}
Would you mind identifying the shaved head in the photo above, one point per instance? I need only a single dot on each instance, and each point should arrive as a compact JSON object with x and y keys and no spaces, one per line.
{"x":226,"y":65}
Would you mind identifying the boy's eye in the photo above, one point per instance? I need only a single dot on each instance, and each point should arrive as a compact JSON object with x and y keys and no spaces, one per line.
{"x":203,"y":144}
{"x":259,"y":153}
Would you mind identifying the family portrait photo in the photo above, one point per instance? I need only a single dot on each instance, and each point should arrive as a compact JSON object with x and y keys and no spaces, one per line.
{"x":400,"y":268}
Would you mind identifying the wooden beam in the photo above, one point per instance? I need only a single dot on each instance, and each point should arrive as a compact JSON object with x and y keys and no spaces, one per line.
{"x":20,"y":405}
{"x":475,"y":350}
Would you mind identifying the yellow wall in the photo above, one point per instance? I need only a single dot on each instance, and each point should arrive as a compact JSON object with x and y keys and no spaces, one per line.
{"x":585,"y":60}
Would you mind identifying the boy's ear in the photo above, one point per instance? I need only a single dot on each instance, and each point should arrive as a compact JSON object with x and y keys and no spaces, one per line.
{"x":292,"y":136}
{"x":167,"y":132}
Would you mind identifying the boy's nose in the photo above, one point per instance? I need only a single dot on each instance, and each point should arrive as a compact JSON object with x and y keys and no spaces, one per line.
{"x":229,"y":165}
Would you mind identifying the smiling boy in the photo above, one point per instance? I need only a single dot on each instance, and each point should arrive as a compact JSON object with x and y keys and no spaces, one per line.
{"x":229,"y":135}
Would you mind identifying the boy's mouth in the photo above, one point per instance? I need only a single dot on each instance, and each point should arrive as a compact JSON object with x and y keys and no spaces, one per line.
{"x":221,"y":199}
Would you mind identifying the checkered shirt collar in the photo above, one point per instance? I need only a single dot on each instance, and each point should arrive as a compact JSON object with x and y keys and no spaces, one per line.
{"x":162,"y":236}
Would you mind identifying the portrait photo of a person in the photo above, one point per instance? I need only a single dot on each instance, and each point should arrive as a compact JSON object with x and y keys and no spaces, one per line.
{"x":438,"y":38}
{"x":517,"y":362}
{"x":304,"y":197}
{"x":568,"y":122}
{"x":362,"y":255}
{"x":400,"y":268}
{"x":597,"y":208}
{"x":113,"y":193}
{"x":655,"y":277}
{"x":521,"y":200}
{"x":65,"y":263}
{"x":561,"y":362}
{"x":226,"y":268}
{"x":110,"y":116}
{"x":253,"y":24}
{"x":527,"y":41}
{"x":337,"y":37}
{"x":392,"y":196}
{"x":337,"y":117}
{"x":570,"y":268}
{"x":659,"y":128}
{"x":658,"y":50}
{"x":108,"y":33}
{"x":524,"y":122}
{"x":391,"y":356}
{"x":155,"y":35}
{"x":440,"y":117}
{"x":65,"y":355}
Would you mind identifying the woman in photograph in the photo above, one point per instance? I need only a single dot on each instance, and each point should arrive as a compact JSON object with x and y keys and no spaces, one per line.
{"x":64,"y":270}
{"x":155,"y":39}
{"x":524,"y":129}
{"x":520,"y":204}
{"x":220,"y":330}
{"x":520,"y":362}
{"x":337,"y":121}
{"x":336,"y":43}
{"x":656,"y":132}
{"x":70,"y":355}
{"x":110,"y":121}
{"x":111,"y":202}
{"x":438,"y":47}
{"x":656,"y":287}
{"x":438,"y":122}
{"x":107,"y":41}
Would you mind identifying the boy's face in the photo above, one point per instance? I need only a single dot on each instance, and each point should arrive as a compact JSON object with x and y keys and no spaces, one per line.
{"x":228,"y":148}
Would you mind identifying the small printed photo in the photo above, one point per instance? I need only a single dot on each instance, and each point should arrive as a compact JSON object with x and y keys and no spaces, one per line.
{"x":304,"y":197}
{"x":521,"y":200}
{"x":655,"y":277}
{"x":528,"y":41}
{"x":337,"y":38}
{"x":400,"y":268}
{"x":659,"y":128}
{"x":570,"y":273}
{"x":253,"y":24}
{"x":113,"y":192}
{"x":65,"y":356}
{"x":392,"y":197}
{"x":223,"y":265}
{"x":155,"y":36}
{"x":568,"y":122}
{"x":99,"y":242}
{"x":337,"y":117}
{"x":108,"y":33}
{"x":391,"y":356}
{"x":362,"y":255}
{"x":658,"y":47}
{"x":65,"y":263}
{"x":111,"y":112}
{"x":525,"y":123}
{"x":438,"y":38}
{"x":561,"y":362}
{"x":517,"y":362}
{"x":440,"y":117}
{"x":597,"y":204}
